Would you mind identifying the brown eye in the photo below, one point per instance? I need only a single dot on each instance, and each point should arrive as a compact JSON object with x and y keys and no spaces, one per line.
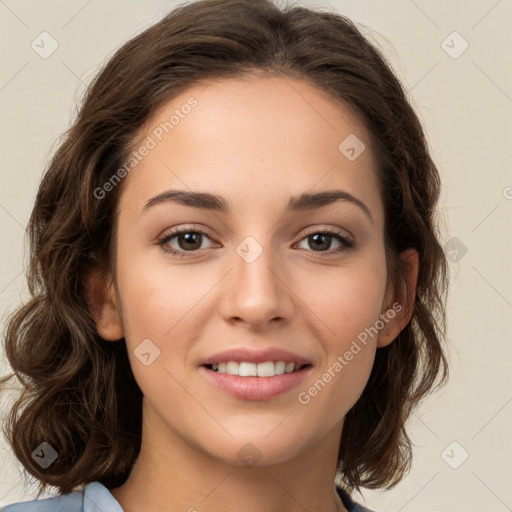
{"x":189,"y":241}
{"x":320,"y":241}
{"x":183,"y":241}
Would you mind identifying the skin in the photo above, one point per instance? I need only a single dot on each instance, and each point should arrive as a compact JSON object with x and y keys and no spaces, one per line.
{"x":255,"y":141}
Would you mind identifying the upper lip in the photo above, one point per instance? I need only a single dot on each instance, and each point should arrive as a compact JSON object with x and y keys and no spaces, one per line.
{"x":256,"y":356}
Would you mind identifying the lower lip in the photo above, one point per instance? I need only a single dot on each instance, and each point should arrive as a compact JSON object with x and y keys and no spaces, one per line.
{"x":255,"y":388}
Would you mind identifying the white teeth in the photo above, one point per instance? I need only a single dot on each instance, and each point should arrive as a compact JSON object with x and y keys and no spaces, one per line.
{"x":267,"y":369}
{"x":246,"y":369}
{"x":232,"y":368}
{"x":280,"y":367}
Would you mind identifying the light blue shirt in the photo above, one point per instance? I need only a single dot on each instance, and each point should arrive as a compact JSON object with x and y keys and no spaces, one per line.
{"x":95,"y":497}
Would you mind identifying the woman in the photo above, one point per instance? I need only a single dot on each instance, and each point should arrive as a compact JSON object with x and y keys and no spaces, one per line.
{"x":273,"y":363}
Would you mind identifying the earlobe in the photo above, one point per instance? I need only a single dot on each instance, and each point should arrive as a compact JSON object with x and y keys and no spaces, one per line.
{"x":101,"y":299}
{"x":402,"y":302}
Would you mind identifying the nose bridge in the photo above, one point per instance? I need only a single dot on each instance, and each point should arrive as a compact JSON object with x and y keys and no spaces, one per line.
{"x":254,"y":263}
{"x":256,"y":292}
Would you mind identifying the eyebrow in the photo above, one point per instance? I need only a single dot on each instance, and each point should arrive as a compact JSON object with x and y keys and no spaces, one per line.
{"x":212,"y":202}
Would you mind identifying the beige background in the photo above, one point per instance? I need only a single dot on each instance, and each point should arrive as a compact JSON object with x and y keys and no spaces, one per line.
{"x":465,"y":104}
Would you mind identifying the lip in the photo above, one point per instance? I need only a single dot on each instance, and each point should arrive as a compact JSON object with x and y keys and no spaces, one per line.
{"x":255,"y":388}
{"x":255,"y":356}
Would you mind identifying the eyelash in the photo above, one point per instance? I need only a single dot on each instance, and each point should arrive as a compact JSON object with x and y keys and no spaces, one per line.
{"x":348,"y":243}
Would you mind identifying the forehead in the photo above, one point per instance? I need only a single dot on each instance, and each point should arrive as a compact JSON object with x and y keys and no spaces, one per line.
{"x":256,"y":138}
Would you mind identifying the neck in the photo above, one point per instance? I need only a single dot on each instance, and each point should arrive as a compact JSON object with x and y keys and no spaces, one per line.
{"x":171,"y":474}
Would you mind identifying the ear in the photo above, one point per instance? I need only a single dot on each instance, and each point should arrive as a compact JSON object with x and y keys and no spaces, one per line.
{"x":400,"y":301}
{"x":102,"y":301}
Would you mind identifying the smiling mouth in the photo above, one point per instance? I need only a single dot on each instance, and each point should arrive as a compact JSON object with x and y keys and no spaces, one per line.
{"x":247,"y":369}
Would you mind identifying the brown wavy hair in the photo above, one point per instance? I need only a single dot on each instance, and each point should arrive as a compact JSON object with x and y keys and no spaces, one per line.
{"x":78,"y":392}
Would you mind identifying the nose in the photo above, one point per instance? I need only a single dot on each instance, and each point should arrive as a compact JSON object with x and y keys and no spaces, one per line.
{"x":256,"y":292}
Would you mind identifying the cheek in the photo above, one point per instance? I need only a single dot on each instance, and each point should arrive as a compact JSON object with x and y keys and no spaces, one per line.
{"x":165,"y":304}
{"x":346,"y":299}
{"x":348,"y":302}
{"x":157,"y":297}
{"x":156,"y":318}
{"x":350,"y":350}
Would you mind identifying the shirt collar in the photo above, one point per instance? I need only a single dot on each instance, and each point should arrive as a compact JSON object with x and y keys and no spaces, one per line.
{"x":97,"y":498}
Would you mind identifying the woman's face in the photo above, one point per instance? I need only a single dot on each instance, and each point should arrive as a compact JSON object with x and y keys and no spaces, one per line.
{"x":263,"y":278}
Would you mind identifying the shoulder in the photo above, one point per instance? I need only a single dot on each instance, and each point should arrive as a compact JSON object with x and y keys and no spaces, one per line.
{"x":71,"y":502}
{"x":94,"y":497}
{"x":348,"y":502}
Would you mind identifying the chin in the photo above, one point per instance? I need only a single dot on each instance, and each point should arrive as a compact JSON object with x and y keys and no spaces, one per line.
{"x":256,"y":448}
